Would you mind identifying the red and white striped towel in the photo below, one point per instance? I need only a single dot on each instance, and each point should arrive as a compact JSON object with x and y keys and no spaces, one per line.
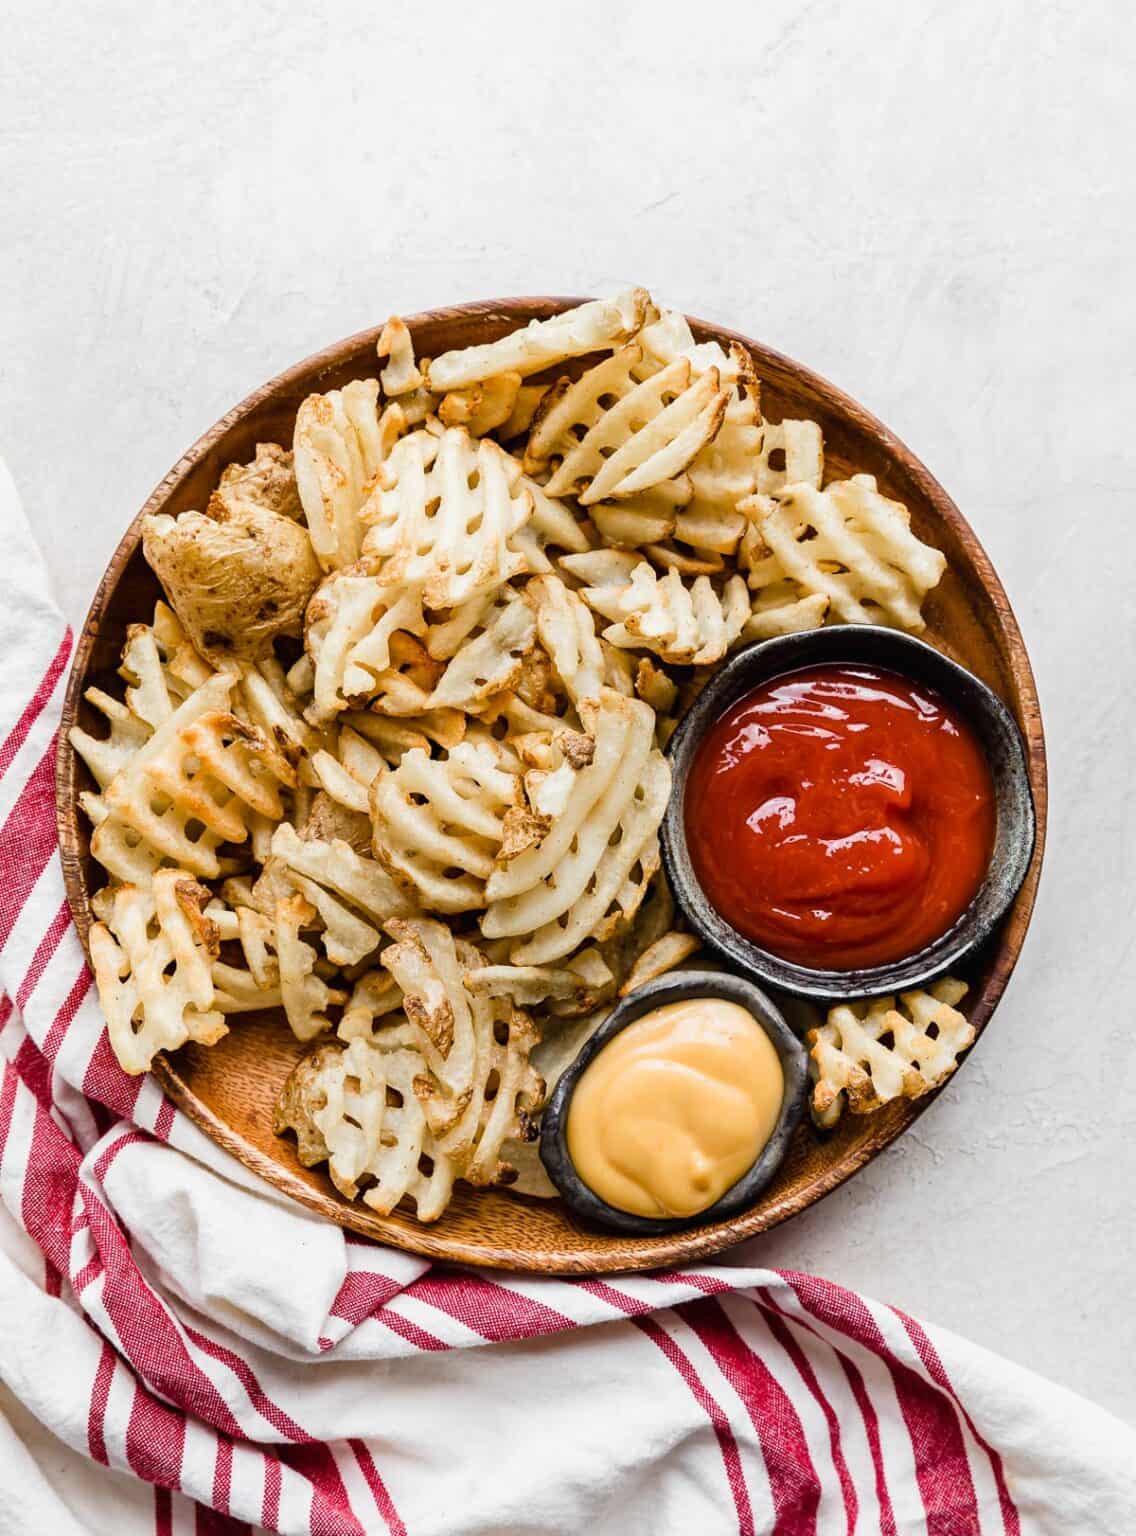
{"x":164,"y":1313}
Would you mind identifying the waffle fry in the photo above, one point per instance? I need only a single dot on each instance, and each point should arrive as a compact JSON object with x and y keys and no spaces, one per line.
{"x":577,"y":881}
{"x":439,"y":824}
{"x":791,"y":453}
{"x":401,"y":375}
{"x":493,"y":661}
{"x":567,"y":632}
{"x":337,"y":450}
{"x":867,"y":1054}
{"x":684,"y":625}
{"x":591,"y":327}
{"x":350,"y":624}
{"x":152,"y":954}
{"x":850,"y":544}
{"x":355,"y":1108}
{"x":442,"y":515}
{"x":649,"y":435}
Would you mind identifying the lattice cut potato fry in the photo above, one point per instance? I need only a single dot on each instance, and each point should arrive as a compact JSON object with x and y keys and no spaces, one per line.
{"x":593,"y":327}
{"x":567,"y":631}
{"x":481,"y":408}
{"x":304,"y":993}
{"x":439,"y":823}
{"x":855,"y":547}
{"x":493,"y":661}
{"x":401,"y":376}
{"x":152,"y":953}
{"x":867,"y":1054}
{"x":356,"y":1108}
{"x":685,"y":625}
{"x":647,"y":436}
{"x":442,"y":516}
{"x":337,"y":450}
{"x":361,"y":884}
{"x":351,"y":623}
{"x":588,"y":875}
{"x":791,"y":453}
{"x":477,"y":1047}
{"x":778,"y":605}
{"x":182,"y":805}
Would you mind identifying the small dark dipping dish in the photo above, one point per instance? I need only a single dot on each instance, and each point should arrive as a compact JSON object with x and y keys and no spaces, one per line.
{"x":679,"y":986}
{"x":995,"y":731}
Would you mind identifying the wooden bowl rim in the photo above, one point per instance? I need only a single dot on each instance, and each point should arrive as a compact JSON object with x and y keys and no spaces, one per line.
{"x":672,"y":1249}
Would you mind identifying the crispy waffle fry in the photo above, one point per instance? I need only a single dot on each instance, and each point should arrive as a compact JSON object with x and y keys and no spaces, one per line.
{"x":648,"y":518}
{"x":481,"y":408}
{"x":853,"y":546}
{"x":477,"y":1047}
{"x":356,"y":1108}
{"x":350,"y":624}
{"x":493,"y":661}
{"x":778,"y":605}
{"x":442,"y":515}
{"x":567,"y":632}
{"x":867,"y":1054}
{"x":792,"y":453}
{"x":361,"y":883}
{"x":589,"y":873}
{"x":338,"y":448}
{"x":348,"y":776}
{"x":203,"y":769}
{"x":659,"y":958}
{"x":649,"y":435}
{"x":440,"y":822}
{"x":579,"y":985}
{"x":679,"y":623}
{"x":593,"y":327}
{"x":401,"y":375}
{"x":152,"y":954}
{"x":304,"y":993}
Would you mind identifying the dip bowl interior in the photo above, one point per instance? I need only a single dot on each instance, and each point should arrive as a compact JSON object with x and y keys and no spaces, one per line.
{"x":894,"y":651}
{"x":677,"y":987}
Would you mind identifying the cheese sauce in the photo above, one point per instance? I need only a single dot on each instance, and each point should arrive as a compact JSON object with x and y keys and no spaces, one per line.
{"x":676,"y":1108}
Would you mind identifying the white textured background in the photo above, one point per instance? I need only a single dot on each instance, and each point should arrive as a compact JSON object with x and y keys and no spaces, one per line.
{"x":930,"y":204}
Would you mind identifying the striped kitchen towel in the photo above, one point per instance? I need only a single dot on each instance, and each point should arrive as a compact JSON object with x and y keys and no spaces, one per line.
{"x":182,"y":1349}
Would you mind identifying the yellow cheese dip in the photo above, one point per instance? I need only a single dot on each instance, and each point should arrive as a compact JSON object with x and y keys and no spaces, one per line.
{"x":676,"y":1108}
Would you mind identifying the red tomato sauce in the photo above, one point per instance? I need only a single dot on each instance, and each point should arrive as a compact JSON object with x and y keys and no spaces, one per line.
{"x":840,"y":816}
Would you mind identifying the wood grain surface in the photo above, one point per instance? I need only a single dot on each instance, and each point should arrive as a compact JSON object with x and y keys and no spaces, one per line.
{"x":231,"y":1088}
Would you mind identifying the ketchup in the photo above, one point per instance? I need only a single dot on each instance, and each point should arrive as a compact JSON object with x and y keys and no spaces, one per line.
{"x":840,"y":816}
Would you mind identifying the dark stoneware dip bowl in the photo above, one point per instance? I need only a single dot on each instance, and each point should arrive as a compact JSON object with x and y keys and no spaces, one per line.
{"x":677,"y":987}
{"x":1015,"y":827}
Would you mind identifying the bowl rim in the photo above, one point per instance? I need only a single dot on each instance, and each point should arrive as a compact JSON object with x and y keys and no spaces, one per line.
{"x":677,"y":986}
{"x":434,"y":1242}
{"x":1016,"y":819}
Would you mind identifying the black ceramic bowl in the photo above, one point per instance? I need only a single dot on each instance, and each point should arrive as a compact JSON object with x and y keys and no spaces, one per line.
{"x":677,"y":988}
{"x":992,"y":722}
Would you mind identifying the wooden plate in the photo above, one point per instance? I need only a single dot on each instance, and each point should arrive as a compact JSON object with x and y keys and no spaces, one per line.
{"x":230,"y":1089}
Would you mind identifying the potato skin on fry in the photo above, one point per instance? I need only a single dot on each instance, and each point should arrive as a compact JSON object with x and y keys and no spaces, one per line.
{"x":235,"y":581}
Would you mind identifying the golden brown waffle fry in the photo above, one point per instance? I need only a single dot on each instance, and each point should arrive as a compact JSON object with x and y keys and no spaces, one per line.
{"x":338,"y":447}
{"x":867,"y":1054}
{"x":850,"y":544}
{"x":593,"y":327}
{"x":442,"y":515}
{"x":686,"y":625}
{"x":351,"y":622}
{"x":791,"y":453}
{"x":440,"y":822}
{"x":356,"y":1108}
{"x":152,"y":954}
{"x":401,"y":375}
{"x":581,"y":880}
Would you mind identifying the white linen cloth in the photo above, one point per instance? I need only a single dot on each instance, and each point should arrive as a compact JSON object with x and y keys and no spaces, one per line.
{"x":184,"y":1350}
